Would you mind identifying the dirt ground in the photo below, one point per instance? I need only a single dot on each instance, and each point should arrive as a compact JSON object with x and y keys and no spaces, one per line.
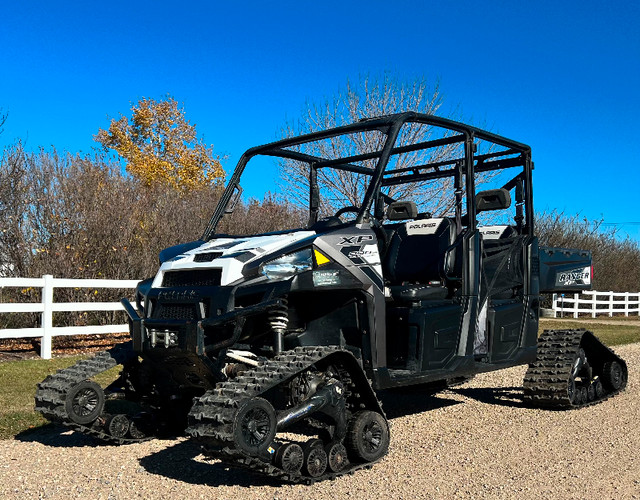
{"x":17,"y":349}
{"x":474,"y":441}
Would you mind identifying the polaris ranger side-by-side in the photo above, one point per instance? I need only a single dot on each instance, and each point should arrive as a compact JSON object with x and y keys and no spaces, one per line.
{"x":268,"y":349}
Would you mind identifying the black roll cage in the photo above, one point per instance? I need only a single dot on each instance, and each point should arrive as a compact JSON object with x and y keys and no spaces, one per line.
{"x":463,"y":169}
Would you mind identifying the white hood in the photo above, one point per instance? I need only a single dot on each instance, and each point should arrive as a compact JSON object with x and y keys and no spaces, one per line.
{"x":236,"y":252}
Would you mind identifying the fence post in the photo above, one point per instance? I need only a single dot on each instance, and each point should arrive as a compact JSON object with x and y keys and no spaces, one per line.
{"x":575,"y":304}
{"x":610,"y":304}
{"x":47,"y":316}
{"x":626,"y":304}
{"x":554,"y":304}
{"x":594,"y":306}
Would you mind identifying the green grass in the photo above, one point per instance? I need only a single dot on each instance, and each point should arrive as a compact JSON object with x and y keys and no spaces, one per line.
{"x":18,"y":379}
{"x":611,"y":334}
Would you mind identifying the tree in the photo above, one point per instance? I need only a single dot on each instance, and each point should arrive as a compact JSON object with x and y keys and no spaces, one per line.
{"x":369,"y":97}
{"x":160,"y":146}
{"x":3,"y":120}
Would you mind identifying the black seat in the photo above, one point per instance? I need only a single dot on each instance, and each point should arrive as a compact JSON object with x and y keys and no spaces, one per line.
{"x":419,"y":258}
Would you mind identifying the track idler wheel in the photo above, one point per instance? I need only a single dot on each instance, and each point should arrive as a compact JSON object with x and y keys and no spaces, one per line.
{"x":368,"y":436}
{"x":254,"y":426}
{"x":315,"y":458}
{"x":84,"y":402}
{"x":612,"y":375}
{"x":141,"y":426}
{"x":118,"y":425}
{"x":584,"y":394}
{"x":572,"y":391}
{"x":290,"y":458}
{"x":337,"y":457}
{"x":591,"y":392}
{"x":599,"y":389}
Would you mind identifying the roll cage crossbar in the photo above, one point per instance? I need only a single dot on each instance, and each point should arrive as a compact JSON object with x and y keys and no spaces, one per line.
{"x":462,"y":168}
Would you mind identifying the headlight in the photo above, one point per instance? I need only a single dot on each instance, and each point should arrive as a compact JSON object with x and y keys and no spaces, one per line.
{"x":288,"y":265}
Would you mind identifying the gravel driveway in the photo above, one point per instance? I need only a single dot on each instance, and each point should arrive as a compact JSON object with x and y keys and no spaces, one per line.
{"x":475,"y":441}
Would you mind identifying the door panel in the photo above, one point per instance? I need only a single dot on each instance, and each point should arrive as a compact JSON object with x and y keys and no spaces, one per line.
{"x":504,"y":326}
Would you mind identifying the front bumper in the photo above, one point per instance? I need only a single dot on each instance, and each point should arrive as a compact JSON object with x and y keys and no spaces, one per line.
{"x":201,"y":336}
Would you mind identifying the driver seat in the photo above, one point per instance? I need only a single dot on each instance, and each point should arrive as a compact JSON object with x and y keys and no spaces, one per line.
{"x":419,"y":259}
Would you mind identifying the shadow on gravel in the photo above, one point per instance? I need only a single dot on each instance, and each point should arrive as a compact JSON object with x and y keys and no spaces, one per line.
{"x":179,"y":462}
{"x":502,"y":396}
{"x":407,"y":401}
{"x":57,"y":436}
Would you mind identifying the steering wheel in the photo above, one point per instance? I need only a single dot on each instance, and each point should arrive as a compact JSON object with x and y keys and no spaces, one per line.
{"x":344,"y":210}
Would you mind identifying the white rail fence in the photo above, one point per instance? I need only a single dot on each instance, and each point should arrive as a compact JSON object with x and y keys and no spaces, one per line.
{"x":46,"y":307}
{"x":595,"y":303}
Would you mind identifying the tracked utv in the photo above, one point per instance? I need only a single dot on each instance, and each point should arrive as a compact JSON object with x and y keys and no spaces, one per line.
{"x":269,"y":349}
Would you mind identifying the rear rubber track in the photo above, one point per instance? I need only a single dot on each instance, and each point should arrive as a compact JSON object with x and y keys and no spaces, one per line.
{"x":546,"y":381}
{"x":52,"y":391}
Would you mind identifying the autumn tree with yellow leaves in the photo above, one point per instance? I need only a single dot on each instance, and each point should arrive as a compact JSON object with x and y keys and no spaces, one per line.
{"x":161,"y":147}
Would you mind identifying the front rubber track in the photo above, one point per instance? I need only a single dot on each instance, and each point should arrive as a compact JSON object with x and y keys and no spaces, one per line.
{"x":212,"y":415}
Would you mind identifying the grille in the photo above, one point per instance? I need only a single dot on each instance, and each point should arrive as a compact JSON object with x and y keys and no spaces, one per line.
{"x":176,"y":311}
{"x":194,"y":277}
{"x":206,"y":257}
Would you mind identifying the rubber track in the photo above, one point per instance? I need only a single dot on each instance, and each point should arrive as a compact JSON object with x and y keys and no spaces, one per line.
{"x":52,"y":391}
{"x":211,"y":417}
{"x":546,"y":380}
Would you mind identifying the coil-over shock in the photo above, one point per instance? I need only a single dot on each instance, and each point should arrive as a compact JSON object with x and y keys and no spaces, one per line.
{"x":278,"y":321}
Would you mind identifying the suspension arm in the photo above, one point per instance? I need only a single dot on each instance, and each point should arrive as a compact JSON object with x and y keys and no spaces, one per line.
{"x":328,"y":400}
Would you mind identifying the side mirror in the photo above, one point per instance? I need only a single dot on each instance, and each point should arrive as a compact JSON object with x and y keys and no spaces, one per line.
{"x":492,"y":199}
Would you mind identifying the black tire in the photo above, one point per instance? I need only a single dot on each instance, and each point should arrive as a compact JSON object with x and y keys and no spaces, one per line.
{"x":315,"y":461}
{"x":84,"y":402}
{"x":337,"y":457}
{"x":613,"y":376}
{"x":367,"y":437}
{"x":118,"y":425}
{"x":290,"y":458}
{"x":254,"y":426}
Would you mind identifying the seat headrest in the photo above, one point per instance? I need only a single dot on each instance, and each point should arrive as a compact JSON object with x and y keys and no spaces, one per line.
{"x":402,"y":210}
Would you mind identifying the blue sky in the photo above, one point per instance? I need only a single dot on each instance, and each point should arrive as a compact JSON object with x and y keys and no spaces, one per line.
{"x":560,"y":76}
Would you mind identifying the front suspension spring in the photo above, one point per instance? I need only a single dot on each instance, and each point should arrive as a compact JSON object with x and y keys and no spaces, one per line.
{"x":279,"y":317}
{"x":279,"y":320}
